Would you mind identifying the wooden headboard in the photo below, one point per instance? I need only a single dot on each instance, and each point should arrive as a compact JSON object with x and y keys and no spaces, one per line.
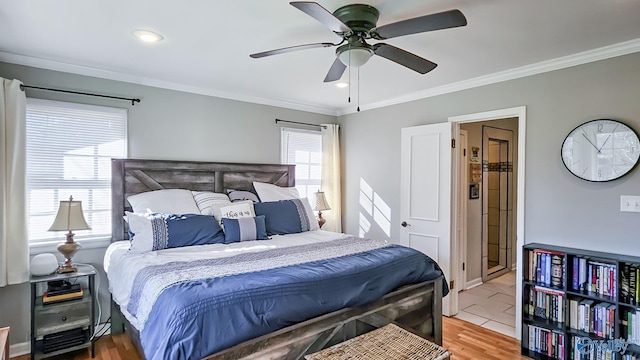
{"x":131,"y":176}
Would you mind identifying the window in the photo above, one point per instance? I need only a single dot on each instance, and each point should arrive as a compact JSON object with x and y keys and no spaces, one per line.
{"x":303,"y":148}
{"x":69,"y":151}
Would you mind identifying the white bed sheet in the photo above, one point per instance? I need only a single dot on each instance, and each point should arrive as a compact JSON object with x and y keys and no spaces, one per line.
{"x":121,"y":265}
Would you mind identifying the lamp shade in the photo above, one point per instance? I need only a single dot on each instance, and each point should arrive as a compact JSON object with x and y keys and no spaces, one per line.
{"x":321,"y":202}
{"x":70,"y":217}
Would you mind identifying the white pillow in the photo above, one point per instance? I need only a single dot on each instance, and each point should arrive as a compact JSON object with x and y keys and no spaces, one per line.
{"x":170,"y":201}
{"x":310,"y":214}
{"x":210,"y":203}
{"x":141,"y":225}
{"x":269,"y":192}
{"x":239,"y":209}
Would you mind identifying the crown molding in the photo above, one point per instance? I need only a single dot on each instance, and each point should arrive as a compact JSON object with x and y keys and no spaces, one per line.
{"x":602,"y":53}
{"x":139,"y":80}
{"x":584,"y":57}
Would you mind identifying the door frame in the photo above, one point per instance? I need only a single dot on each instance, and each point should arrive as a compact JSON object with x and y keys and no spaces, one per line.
{"x":462,"y":206}
{"x":519,"y":112}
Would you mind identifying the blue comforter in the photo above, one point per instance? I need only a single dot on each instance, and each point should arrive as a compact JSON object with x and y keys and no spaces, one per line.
{"x":193,"y":319}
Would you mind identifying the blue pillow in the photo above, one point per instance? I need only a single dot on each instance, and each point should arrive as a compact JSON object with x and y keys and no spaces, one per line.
{"x":193,"y":229}
{"x":150,"y":232}
{"x":244,"y":229}
{"x":287,"y":216}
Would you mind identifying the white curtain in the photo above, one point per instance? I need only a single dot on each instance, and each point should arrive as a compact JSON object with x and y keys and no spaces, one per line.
{"x":14,"y":245}
{"x":331,"y":177}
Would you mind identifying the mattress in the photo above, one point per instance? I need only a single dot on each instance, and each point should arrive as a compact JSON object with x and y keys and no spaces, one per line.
{"x":193,"y":301}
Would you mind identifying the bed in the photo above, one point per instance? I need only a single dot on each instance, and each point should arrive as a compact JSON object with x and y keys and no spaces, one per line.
{"x":405,"y":289}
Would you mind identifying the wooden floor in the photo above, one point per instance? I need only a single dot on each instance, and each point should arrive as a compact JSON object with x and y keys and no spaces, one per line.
{"x":464,"y":340}
{"x":467,"y":341}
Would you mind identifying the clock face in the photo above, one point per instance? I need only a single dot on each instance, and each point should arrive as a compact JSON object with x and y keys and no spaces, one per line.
{"x":601,"y":150}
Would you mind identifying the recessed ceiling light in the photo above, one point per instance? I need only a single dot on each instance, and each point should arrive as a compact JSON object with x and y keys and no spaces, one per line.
{"x":147,"y":36}
{"x":342,"y":84}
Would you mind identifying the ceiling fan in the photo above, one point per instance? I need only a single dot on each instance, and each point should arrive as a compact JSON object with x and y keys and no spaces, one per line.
{"x":356,"y":23}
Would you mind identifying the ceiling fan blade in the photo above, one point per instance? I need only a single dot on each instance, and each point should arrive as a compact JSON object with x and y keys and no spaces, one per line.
{"x":290,"y":49}
{"x":404,"y":58}
{"x":321,"y":14}
{"x":336,"y":71}
{"x":443,"y":20}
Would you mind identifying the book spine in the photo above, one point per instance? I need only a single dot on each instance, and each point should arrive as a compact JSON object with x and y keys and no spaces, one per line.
{"x":543,"y":266}
{"x":556,"y":270}
{"x":576,"y":272}
{"x":548,"y":269}
{"x":632,"y":285}
{"x":624,"y":284}
{"x":583,"y":274}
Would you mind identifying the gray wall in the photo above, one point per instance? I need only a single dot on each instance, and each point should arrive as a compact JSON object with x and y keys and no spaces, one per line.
{"x":165,"y":125}
{"x":559,"y":208}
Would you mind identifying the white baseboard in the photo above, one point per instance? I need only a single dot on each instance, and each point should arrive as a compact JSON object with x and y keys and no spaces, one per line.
{"x":473,"y":283}
{"x":24,"y":348}
{"x":19,"y":349}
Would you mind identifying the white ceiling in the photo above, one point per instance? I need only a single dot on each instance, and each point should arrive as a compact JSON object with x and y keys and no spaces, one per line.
{"x":207,"y":44}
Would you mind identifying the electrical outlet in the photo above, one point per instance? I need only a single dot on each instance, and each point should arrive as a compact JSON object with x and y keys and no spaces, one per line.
{"x":629,"y":203}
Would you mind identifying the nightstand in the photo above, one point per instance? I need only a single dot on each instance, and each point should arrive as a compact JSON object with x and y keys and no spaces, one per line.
{"x":64,"y":326}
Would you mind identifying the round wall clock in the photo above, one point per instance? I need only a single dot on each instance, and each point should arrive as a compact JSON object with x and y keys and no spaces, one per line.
{"x":601,"y":150}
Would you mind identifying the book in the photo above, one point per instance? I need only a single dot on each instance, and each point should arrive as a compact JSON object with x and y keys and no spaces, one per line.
{"x":547,"y":269}
{"x":556,"y":270}
{"x":543,"y":266}
{"x":573,"y":314}
{"x":637,"y":286}
{"x":575,"y":273}
{"x":632,"y":285}
{"x":49,"y":299}
{"x":583,"y":274}
{"x":585,"y":319}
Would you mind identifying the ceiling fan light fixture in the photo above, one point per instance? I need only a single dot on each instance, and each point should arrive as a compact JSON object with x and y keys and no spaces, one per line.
{"x":355,"y":57}
{"x":342,"y":84}
{"x":147,"y":36}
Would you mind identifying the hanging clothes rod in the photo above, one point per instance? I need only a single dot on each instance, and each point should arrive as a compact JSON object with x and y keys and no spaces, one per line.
{"x":133,"y":100}
{"x":301,"y":123}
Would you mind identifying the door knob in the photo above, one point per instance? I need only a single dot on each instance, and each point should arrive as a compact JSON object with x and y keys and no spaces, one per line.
{"x":405,"y":224}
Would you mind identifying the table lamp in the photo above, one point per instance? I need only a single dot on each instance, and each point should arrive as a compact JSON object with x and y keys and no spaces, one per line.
{"x":321,"y":205}
{"x":70,"y":217}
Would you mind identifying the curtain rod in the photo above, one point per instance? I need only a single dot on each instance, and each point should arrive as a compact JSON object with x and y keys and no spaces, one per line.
{"x":133,"y":100}
{"x":300,"y":123}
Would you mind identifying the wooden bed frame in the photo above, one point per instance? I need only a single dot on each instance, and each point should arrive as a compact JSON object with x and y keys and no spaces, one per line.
{"x":417,"y":307}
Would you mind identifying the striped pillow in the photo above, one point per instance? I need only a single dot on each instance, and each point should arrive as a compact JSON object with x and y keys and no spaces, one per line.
{"x":210,"y":203}
{"x":244,"y":229}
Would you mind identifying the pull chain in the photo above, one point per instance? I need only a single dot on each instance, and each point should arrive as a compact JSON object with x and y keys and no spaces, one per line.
{"x":349,"y":82}
{"x":358,"y":90}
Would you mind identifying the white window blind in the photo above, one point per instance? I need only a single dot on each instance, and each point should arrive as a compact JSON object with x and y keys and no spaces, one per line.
{"x":69,"y":151}
{"x":303,"y":148}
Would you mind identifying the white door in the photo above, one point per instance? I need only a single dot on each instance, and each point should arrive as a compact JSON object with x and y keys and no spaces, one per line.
{"x":426,"y":165}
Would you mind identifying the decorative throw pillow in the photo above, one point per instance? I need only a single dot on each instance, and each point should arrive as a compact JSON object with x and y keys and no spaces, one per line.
{"x":239,"y":209}
{"x":210,"y":203}
{"x":239,"y":195}
{"x":151,"y":232}
{"x":269,"y":192}
{"x":287,"y":216}
{"x":244,"y":229}
{"x":168,"y":201}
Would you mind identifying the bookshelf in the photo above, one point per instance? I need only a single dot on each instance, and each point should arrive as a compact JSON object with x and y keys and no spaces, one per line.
{"x":580,"y":304}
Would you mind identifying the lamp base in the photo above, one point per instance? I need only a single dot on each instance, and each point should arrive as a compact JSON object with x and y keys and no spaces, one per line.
{"x":321,"y":220}
{"x":66,"y":269}
{"x":68,"y":249}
